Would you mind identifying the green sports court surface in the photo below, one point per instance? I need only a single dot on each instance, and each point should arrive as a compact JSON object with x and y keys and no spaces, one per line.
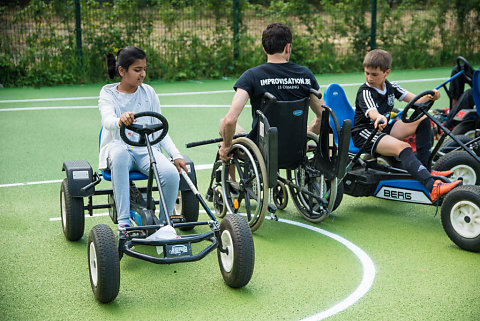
{"x":373,"y":260}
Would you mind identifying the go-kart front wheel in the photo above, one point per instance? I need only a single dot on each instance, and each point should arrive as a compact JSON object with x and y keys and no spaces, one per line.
{"x":103,"y":263}
{"x":461,"y":217}
{"x":238,"y":259}
{"x":71,"y":210}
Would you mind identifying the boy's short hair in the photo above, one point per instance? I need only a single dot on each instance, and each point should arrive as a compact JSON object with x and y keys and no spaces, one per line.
{"x":275,"y":37}
{"x":378,"y":58}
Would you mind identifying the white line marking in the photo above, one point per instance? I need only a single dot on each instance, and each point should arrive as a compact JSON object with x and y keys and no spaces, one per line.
{"x":201,"y":92}
{"x":197,"y":168}
{"x":96,"y":107}
{"x":31,"y":183}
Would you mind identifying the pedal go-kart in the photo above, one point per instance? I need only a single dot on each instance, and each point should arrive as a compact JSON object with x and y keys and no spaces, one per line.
{"x":455,"y":154}
{"x":460,"y":208}
{"x":232,"y":237}
{"x":280,"y":141}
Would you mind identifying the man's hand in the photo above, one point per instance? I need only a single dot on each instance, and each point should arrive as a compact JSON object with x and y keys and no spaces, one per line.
{"x":224,"y":151}
{"x":126,"y":118}
{"x":179,"y":164}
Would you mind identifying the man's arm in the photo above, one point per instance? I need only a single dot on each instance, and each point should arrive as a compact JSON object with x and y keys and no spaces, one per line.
{"x":316,"y":105}
{"x":229,"y":123}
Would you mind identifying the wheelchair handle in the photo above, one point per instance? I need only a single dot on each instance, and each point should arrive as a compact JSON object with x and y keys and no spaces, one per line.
{"x":316,"y":93}
{"x":211,"y":141}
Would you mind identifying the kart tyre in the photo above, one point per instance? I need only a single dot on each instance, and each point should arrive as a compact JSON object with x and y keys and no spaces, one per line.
{"x":218,"y":202}
{"x":103,"y":263}
{"x":280,"y":195}
{"x":461,"y":217}
{"x":463,"y":165}
{"x":187,"y":206}
{"x":71,"y":210}
{"x":466,"y":128}
{"x":237,"y":264}
{"x":450,"y":144}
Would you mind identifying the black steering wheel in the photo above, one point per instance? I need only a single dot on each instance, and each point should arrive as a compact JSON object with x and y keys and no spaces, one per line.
{"x":468,"y":70}
{"x":417,"y":107}
{"x":143,"y":129}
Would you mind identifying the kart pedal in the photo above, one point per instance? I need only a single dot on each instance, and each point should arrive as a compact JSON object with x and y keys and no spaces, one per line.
{"x":177,"y":218}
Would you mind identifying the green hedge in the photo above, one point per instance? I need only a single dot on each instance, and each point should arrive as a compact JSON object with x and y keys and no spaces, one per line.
{"x":193,"y":39}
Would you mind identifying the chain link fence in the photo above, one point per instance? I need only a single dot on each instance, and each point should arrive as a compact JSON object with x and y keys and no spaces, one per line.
{"x":52,"y":42}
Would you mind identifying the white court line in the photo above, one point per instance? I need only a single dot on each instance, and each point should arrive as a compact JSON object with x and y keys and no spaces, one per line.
{"x":197,"y":168}
{"x":368,"y":267}
{"x":202,"y":92}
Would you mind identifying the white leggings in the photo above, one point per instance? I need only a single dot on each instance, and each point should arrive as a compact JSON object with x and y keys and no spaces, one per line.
{"x":122,"y":159}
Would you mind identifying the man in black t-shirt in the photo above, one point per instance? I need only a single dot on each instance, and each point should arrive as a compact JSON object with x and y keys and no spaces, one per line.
{"x":374,"y":102}
{"x":283,"y":79}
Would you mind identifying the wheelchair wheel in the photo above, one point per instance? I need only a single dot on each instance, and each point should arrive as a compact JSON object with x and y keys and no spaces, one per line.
{"x":218,"y":202}
{"x":103,"y":263}
{"x":310,"y":207}
{"x":463,"y":166}
{"x":236,"y":264}
{"x":187,"y":206}
{"x":280,"y":195}
{"x":248,"y":185}
{"x":461,"y":217}
{"x":71,"y":210}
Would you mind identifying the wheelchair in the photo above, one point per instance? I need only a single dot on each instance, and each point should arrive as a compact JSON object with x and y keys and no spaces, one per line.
{"x":250,"y":183}
{"x":232,"y":237}
{"x":460,"y":208}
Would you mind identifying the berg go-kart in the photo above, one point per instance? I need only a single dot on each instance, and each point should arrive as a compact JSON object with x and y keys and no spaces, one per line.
{"x":467,"y":130}
{"x":232,"y":237}
{"x":460,"y":208}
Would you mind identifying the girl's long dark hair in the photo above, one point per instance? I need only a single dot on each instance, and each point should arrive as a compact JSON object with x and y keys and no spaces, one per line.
{"x":125,"y":57}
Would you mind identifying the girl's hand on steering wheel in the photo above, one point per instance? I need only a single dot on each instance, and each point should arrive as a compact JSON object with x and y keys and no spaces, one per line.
{"x":436,"y":95}
{"x":127,"y":118}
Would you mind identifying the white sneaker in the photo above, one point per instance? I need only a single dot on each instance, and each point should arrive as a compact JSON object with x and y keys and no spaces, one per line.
{"x":164,"y":233}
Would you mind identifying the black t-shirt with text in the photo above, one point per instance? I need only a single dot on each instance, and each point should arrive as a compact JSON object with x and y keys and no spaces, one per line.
{"x":286,"y":81}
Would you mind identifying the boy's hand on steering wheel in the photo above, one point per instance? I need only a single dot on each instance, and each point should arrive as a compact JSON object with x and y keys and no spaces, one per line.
{"x":436,"y":95}
{"x":380,"y":122}
{"x":180,"y":164}
{"x":127,"y":118}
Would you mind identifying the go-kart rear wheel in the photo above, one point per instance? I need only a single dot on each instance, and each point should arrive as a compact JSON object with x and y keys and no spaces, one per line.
{"x":462,"y":164}
{"x":218,"y":202}
{"x":280,"y":195}
{"x":238,"y":262}
{"x":461,"y":217}
{"x":103,"y":263}
{"x":187,"y":206}
{"x":465,"y":128}
{"x":71,"y":210}
{"x":248,"y":183}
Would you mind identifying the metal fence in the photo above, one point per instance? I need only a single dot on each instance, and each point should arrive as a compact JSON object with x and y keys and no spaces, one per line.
{"x":65,"y":41}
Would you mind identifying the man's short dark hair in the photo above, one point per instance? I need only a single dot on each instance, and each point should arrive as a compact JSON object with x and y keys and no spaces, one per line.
{"x":275,"y":37}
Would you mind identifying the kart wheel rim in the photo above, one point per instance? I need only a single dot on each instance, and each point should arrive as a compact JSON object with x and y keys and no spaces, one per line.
{"x":466,"y":172}
{"x":93,"y":264}
{"x":64,"y":211}
{"x":470,"y":133}
{"x":465,"y":219}
{"x":227,"y":258}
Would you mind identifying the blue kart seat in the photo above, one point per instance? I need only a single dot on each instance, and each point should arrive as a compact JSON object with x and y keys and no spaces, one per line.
{"x":336,"y":99}
{"x":132,"y":176}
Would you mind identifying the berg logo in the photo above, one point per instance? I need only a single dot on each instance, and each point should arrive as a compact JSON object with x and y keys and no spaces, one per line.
{"x":297,"y":112}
